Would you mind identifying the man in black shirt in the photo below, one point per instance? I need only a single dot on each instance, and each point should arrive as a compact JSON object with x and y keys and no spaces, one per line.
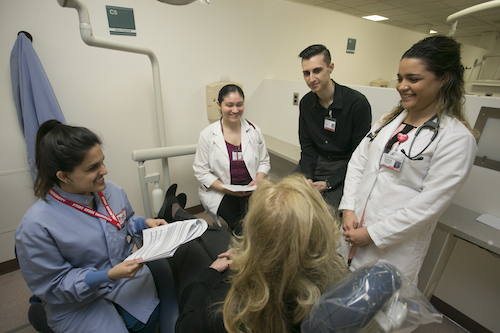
{"x":333,"y":119}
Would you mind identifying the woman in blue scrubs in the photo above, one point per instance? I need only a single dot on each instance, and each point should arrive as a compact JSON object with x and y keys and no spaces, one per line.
{"x":72,"y":243}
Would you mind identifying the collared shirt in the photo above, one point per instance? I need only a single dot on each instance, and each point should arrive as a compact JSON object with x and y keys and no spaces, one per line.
{"x":352,"y":114}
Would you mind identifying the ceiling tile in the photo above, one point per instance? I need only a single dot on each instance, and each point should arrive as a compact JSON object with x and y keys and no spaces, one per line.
{"x":375,"y":7}
{"x":332,"y":5}
{"x":405,"y":17}
{"x":489,"y":15}
{"x":352,"y":11}
{"x":417,"y":21}
{"x":355,"y":3}
{"x":403,"y":3}
{"x":393,"y":12}
{"x":461,"y":3}
{"x":429,"y":6}
{"x":310,"y":2}
{"x":415,"y":14}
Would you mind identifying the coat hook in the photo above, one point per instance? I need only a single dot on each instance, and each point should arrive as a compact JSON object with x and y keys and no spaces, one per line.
{"x":27,"y":35}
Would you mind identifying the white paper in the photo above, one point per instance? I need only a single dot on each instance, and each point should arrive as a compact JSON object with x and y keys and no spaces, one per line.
{"x":239,"y":188}
{"x":162,"y":242}
{"x":490,"y":220}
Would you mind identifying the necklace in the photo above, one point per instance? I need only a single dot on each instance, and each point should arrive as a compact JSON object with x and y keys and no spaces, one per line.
{"x":417,"y":118}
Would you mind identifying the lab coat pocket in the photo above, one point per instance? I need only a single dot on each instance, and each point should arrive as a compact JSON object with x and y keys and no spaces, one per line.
{"x":255,"y":139}
{"x":412,"y":172}
{"x":406,"y":246}
{"x":382,"y":213}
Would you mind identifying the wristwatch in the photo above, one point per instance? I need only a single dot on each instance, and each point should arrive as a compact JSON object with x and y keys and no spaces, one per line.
{"x":328,"y":186}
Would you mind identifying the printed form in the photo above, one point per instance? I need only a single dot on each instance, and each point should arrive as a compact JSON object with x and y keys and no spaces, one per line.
{"x":162,"y":242}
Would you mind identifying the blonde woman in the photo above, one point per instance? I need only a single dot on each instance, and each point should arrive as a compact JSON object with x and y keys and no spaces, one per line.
{"x":284,"y":260}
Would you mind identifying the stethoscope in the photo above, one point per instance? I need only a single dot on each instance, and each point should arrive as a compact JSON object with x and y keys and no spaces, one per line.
{"x":430,"y":124}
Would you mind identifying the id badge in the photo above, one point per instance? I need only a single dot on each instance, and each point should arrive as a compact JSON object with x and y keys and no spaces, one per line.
{"x":122,"y":217}
{"x":392,"y":162}
{"x":330,"y":124}
{"x":237,"y":156}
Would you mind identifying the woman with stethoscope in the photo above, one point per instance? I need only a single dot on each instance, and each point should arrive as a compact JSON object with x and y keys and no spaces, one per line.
{"x":406,"y":171}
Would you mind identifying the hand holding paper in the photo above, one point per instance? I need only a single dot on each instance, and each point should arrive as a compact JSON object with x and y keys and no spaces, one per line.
{"x":239,"y":188}
{"x":163,"y":241}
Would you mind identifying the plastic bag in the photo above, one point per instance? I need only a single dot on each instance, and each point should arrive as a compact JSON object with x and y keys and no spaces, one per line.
{"x":374,"y":298}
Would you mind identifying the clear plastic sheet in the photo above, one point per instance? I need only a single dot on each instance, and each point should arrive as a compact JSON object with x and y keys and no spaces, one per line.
{"x":374,"y":298}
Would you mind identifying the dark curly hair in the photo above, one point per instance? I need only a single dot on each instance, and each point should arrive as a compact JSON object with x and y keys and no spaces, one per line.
{"x":441,"y":55}
{"x":59,"y":148}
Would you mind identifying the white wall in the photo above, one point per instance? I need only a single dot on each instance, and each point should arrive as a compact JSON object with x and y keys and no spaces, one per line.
{"x":280,"y":120}
{"x":470,"y":281}
{"x":111,"y":92}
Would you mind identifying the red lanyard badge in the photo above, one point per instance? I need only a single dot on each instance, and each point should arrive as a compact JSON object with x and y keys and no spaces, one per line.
{"x":111,"y":218}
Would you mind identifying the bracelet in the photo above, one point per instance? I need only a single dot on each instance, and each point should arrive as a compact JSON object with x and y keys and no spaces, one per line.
{"x":343,"y":215}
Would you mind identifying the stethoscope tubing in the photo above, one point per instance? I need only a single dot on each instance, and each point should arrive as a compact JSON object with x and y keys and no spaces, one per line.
{"x":428,"y":124}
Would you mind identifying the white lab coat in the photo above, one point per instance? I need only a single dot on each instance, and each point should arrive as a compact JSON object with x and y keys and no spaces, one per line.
{"x":211,"y":161}
{"x":402,"y":208}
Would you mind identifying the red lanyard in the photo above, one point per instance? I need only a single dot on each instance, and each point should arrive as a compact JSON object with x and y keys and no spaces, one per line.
{"x":111,"y":218}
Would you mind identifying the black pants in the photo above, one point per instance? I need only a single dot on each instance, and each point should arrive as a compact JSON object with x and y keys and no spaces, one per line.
{"x":233,"y":209}
{"x":325,"y":169}
{"x":191,"y":258}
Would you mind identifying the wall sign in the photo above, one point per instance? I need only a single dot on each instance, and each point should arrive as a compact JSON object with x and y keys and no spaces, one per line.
{"x":351,"y":45}
{"x":121,"y":21}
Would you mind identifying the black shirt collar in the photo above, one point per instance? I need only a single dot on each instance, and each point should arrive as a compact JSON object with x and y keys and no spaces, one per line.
{"x":337,"y":98}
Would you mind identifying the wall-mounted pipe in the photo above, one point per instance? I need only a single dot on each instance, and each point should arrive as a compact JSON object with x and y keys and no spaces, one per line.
{"x":143,"y":155}
{"x":89,"y":39}
{"x":453,"y":18}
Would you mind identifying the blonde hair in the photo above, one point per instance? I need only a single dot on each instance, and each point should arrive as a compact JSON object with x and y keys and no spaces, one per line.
{"x":284,"y":260}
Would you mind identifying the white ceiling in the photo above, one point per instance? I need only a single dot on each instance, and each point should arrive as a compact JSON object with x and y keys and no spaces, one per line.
{"x":419,"y":15}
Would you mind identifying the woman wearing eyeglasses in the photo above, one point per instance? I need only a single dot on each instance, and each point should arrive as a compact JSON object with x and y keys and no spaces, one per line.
{"x":406,"y":171}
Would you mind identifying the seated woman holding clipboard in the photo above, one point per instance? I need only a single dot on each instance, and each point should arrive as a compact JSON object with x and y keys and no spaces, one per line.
{"x":231,"y":151}
{"x":72,"y":243}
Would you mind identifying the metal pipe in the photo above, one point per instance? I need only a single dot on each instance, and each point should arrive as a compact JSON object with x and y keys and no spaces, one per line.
{"x":473,"y":9}
{"x":144,"y":189}
{"x":137,"y":155}
{"x":164,"y":152}
{"x":142,"y":155}
{"x":453,"y":29}
{"x":89,"y":39}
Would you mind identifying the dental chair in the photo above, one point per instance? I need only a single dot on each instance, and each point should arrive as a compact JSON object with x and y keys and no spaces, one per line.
{"x":374,"y":298}
{"x":164,"y":281}
{"x":37,"y":315}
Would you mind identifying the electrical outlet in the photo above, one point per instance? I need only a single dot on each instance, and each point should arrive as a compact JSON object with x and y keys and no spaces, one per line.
{"x":295,"y":98}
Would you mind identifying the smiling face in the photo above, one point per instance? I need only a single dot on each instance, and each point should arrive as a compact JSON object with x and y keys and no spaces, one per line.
{"x":317,"y":73}
{"x":232,"y":107}
{"x":87,"y":177}
{"x":418,"y":87}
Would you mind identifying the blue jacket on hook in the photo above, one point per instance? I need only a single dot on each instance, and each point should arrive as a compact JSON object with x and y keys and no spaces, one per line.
{"x":33,"y":95}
